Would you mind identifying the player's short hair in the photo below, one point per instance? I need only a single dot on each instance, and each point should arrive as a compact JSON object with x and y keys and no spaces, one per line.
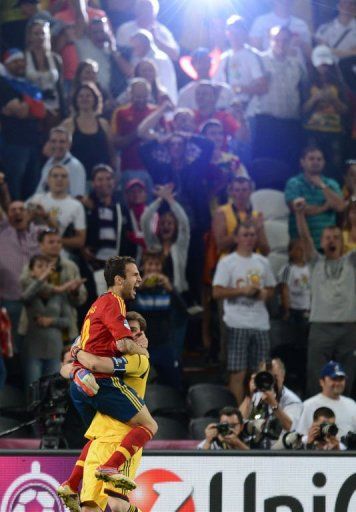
{"x":116,"y":266}
{"x":228,"y":410}
{"x":35,"y":258}
{"x":133,"y":315}
{"x":326,"y":412}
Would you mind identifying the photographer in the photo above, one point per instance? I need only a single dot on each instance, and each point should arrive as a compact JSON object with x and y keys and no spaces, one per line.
{"x":224,"y":435}
{"x":323,"y":431}
{"x":268,"y":393}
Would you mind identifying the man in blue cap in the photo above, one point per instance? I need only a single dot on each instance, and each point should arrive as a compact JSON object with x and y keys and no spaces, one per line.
{"x":332,"y":382}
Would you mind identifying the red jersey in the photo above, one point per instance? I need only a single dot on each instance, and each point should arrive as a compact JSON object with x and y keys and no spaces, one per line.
{"x":105,"y":323}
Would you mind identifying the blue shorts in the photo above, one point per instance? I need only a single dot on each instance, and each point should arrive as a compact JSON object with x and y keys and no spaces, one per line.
{"x":114,"y":398}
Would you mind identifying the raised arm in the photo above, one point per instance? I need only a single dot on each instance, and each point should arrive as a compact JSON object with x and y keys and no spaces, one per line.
{"x":303,"y":229}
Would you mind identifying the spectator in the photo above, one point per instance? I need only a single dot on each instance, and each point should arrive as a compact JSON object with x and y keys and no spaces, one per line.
{"x":92,"y":139}
{"x":349,"y":227}
{"x":44,"y":69}
{"x":340,"y":33}
{"x":315,"y":439}
{"x":146,"y":12}
{"x":332,"y":382}
{"x":146,"y":69}
{"x":230,"y":419}
{"x":281,"y":402}
{"x":136,"y":199}
{"x":245,"y":281}
{"x":87,"y":71}
{"x":156,"y":299}
{"x":325,"y":109}
{"x":322,"y":195}
{"x":206,"y":99}
{"x":99,"y":45}
{"x":238,"y":210}
{"x":172,"y":236}
{"x":65,"y":274}
{"x":223,"y":166}
{"x":73,"y":21}
{"x":14,"y":32}
{"x":143,"y":47}
{"x":66,"y":213}
{"x":183,"y":120}
{"x":48,"y":318}
{"x":294,"y":283}
{"x":281,"y":16}
{"x":103,"y":215}
{"x":59,"y":143}
{"x":333,"y":307}
{"x":21,"y":112}
{"x":125,"y":122}
{"x":241,"y":66}
{"x":18,"y":239}
{"x":276,"y":122}
{"x":350,"y":180}
{"x":201,"y":64}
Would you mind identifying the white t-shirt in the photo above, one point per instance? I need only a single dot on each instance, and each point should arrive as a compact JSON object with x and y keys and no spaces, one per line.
{"x":331,"y":33}
{"x":238,"y":271}
{"x":344,"y":410}
{"x":263,"y":24}
{"x":240,"y":68}
{"x":130,"y":28}
{"x":186,"y":95}
{"x":298,"y":281}
{"x":65,"y":211}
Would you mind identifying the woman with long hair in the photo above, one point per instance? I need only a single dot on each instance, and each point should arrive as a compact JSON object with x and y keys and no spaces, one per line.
{"x":91,"y":134}
{"x":325,"y":109}
{"x":44,"y":69}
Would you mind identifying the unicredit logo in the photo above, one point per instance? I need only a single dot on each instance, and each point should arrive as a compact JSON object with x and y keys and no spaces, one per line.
{"x":160,"y":489}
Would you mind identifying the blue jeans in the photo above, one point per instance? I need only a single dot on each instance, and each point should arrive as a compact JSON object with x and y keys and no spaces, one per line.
{"x":22,"y":169}
{"x":35,"y":368}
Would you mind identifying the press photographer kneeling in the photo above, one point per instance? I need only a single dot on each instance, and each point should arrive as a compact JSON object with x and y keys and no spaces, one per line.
{"x":269,"y":407}
{"x":225,"y":435}
{"x":322,"y":434}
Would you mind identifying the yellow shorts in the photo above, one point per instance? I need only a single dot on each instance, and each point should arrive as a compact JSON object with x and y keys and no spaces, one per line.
{"x":94,"y":490}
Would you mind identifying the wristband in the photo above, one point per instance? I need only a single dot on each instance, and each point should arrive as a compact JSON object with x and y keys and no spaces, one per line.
{"x":119,"y":366}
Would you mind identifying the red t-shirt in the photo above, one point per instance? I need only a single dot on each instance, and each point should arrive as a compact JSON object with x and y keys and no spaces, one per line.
{"x":229,"y":123}
{"x":105,"y":323}
{"x":126,"y":120}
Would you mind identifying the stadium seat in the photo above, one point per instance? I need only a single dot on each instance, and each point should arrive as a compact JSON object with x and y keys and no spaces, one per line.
{"x":197,"y":426}
{"x":277,"y":235}
{"x":208,"y":399}
{"x":277,"y":260}
{"x":271,"y":203}
{"x":269,"y":173}
{"x":165,"y":401}
{"x":169,"y":429}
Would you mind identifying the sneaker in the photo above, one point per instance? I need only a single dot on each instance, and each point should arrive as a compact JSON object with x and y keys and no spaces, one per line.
{"x":117,"y":479}
{"x":69,"y":497}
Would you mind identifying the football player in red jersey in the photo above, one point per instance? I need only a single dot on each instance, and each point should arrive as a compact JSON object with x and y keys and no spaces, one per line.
{"x":106,"y":333}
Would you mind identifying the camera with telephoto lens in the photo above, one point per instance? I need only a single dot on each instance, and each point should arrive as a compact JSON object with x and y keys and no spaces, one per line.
{"x":292,"y":441}
{"x":327,"y":430}
{"x":349,"y":440}
{"x":264,"y":381}
{"x":223,"y":429}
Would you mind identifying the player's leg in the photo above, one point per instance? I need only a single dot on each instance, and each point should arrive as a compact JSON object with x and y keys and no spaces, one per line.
{"x":68,"y":491}
{"x":119,"y":505}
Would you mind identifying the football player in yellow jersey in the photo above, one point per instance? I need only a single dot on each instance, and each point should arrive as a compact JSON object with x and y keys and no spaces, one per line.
{"x":106,"y":434}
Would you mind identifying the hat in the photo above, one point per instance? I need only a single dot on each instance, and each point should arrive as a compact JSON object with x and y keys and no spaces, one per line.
{"x":322,"y":54}
{"x":332,"y":370}
{"x":12,"y":54}
{"x":133,"y":182}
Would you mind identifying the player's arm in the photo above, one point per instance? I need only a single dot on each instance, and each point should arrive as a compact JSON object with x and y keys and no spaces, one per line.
{"x":130,"y":347}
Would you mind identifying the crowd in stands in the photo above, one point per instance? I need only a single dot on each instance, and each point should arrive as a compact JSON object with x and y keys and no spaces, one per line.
{"x":227,"y":170}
